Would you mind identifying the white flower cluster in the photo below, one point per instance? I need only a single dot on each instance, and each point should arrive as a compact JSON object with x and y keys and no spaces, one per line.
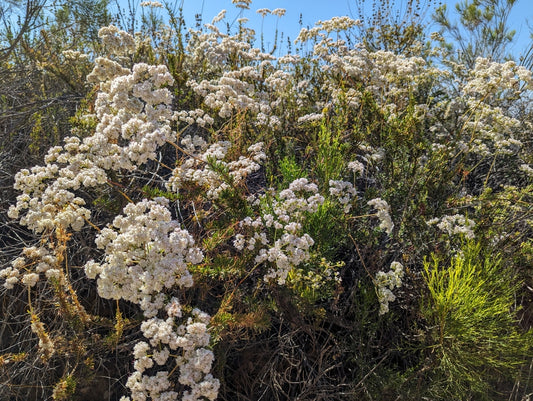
{"x":300,"y":198}
{"x":490,"y":130}
{"x":197,"y":116}
{"x":263,"y":12}
{"x":385,"y":283}
{"x":489,"y":78}
{"x":276,"y":235}
{"x":134,"y":119}
{"x":212,"y":50}
{"x":356,"y":167}
{"x":72,"y":55}
{"x":279,"y":12}
{"x":310,"y":118}
{"x":255,"y":86}
{"x":116,"y":41}
{"x":344,"y":191}
{"x":207,"y":167}
{"x":237,"y":91}
{"x":481,"y":102}
{"x":383,"y":214}
{"x":151,"y":4}
{"x":322,"y":28}
{"x":40,"y":259}
{"x":47,"y":195}
{"x":219,"y":17}
{"x":526,"y":168}
{"x":105,"y":70}
{"x":244,"y":4}
{"x":455,"y":225}
{"x":194,"y":360}
{"x":145,"y":253}
{"x":389,"y":77}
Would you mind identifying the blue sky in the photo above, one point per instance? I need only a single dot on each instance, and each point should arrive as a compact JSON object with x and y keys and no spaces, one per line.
{"x":313,"y":10}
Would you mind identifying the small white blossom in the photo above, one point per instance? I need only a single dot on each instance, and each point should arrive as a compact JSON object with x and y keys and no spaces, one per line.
{"x":219,"y":17}
{"x":263,"y":12}
{"x":385,"y":283}
{"x":30,"y":279}
{"x":455,"y":225}
{"x":356,"y":167}
{"x":344,"y":192}
{"x":383,"y":214}
{"x":279,"y":12}
{"x":152,"y":4}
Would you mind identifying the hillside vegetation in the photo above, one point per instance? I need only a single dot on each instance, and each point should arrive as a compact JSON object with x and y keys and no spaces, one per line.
{"x":186,"y":215}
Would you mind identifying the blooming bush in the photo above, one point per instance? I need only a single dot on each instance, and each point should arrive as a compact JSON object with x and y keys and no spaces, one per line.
{"x":223,"y":220}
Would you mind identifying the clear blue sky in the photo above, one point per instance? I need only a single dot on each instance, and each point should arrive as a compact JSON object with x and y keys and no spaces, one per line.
{"x":314,"y":10}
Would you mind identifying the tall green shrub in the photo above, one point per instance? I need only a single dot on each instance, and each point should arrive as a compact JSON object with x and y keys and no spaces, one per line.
{"x":473,"y":335}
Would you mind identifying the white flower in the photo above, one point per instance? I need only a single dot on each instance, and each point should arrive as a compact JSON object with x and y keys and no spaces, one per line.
{"x":219,"y":17}
{"x":385,"y":283}
{"x":173,"y":308}
{"x":280,"y":12}
{"x":344,"y":192}
{"x":116,"y":41}
{"x":152,"y":4}
{"x":383,"y":215}
{"x":356,"y":167}
{"x":30,"y":279}
{"x":244,"y":4}
{"x":526,"y":168}
{"x":263,"y":12}
{"x":455,"y":225}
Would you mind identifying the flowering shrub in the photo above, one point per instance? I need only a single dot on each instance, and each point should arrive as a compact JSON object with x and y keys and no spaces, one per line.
{"x":241,"y":209}
{"x":386,"y":282}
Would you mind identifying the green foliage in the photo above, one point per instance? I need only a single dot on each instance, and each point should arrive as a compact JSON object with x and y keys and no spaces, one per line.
{"x":64,"y":389}
{"x":290,"y":170}
{"x":157,"y":192}
{"x":328,"y":151}
{"x":473,"y":335}
{"x":393,"y":26}
{"x":316,"y":281}
{"x":482,"y":29}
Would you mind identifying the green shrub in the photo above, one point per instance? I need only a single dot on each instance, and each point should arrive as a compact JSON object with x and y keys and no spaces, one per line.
{"x":473,"y":335}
